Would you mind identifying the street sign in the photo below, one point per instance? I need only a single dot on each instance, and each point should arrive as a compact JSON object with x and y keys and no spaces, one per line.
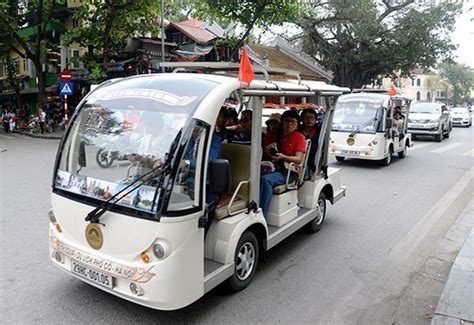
{"x":66,"y":76}
{"x":66,"y":88}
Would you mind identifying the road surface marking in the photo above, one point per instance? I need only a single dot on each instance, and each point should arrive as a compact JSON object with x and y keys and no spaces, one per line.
{"x":446,"y":148}
{"x":416,"y":235}
{"x":469,"y":153}
{"x":417,"y":145}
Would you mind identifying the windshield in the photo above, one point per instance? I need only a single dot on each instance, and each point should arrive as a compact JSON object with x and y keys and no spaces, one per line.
{"x":428,"y":108}
{"x":363,"y":115}
{"x":121,"y":132}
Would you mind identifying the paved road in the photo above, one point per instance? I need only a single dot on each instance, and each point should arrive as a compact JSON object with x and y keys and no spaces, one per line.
{"x":372,"y":261}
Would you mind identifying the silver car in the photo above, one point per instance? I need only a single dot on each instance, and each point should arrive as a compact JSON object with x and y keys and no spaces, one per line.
{"x":430,"y":119}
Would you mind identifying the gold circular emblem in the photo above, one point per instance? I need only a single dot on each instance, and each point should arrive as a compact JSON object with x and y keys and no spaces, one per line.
{"x":94,"y":236}
{"x":350,"y":141}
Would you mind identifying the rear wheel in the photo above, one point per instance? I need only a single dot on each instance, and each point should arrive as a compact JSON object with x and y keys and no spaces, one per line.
{"x":246,"y":260}
{"x":104,"y":158}
{"x":315,"y":225}
{"x":403,"y":153}
{"x":340,"y":158}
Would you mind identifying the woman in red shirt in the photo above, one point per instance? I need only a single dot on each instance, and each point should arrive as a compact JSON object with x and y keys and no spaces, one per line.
{"x":287,"y":145}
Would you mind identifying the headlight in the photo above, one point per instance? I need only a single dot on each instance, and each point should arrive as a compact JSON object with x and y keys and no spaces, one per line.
{"x":52,"y":217}
{"x":434,"y":121}
{"x":410,"y":121}
{"x":161,"y":249}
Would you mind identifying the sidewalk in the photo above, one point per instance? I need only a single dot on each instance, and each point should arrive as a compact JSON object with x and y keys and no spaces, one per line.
{"x":57,"y":134}
{"x":456,"y":304}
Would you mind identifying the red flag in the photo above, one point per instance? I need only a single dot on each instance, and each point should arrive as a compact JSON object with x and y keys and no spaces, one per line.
{"x":246,"y":74}
{"x":392,"y":91}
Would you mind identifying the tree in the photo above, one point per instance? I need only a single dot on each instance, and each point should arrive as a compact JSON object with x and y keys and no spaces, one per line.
{"x":461,"y":79}
{"x":15,"y":16}
{"x":106,"y":25}
{"x":360,"y":42}
{"x":248,"y":13}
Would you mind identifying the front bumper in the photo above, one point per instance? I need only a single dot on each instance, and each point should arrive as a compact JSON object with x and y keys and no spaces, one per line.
{"x":461,"y":123}
{"x":425,"y":131}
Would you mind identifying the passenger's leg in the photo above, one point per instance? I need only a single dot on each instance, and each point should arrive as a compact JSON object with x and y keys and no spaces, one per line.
{"x":267,"y":183}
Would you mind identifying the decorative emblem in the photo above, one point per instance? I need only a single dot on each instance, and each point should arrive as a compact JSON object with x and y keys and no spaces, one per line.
{"x":94,"y":236}
{"x":350,"y":141}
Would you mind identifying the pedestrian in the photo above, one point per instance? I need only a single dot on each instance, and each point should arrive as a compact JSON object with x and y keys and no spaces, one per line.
{"x":5,"y":120}
{"x":41,"y":119}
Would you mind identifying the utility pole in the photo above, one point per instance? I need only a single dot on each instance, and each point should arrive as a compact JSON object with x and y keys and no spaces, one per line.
{"x":162,"y":34}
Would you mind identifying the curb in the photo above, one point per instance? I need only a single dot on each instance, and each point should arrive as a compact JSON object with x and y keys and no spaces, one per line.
{"x":455,"y":304}
{"x":41,"y":136}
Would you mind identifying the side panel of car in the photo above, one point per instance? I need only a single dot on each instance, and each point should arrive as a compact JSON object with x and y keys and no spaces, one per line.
{"x":223,"y":235}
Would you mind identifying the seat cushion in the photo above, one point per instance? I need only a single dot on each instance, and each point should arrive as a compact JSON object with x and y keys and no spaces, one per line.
{"x":280,"y":189}
{"x":221,"y":210}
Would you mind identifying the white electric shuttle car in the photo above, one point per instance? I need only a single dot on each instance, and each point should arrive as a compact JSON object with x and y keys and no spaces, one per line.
{"x":370,"y":126}
{"x":141,"y":229}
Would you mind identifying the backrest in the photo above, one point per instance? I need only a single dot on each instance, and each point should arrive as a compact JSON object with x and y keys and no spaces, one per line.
{"x":238,"y":156}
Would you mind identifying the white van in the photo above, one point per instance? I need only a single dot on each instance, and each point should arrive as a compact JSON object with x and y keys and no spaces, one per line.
{"x":370,"y":126}
{"x":141,"y":229}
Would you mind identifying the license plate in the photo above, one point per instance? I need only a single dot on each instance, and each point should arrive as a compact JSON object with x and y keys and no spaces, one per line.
{"x":91,"y":274}
{"x":351,"y":152}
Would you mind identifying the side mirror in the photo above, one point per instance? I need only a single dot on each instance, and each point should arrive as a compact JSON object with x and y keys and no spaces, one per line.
{"x":388,"y":123}
{"x":219,"y":176}
{"x":81,"y":159}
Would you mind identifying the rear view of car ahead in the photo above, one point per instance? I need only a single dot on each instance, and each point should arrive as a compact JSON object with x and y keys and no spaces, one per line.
{"x":429,"y":119}
{"x":461,"y":117}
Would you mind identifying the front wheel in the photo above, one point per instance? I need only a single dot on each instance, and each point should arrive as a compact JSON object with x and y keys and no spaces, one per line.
{"x":387,"y":160}
{"x":246,"y":260}
{"x":340,"y":158}
{"x":315,"y":225}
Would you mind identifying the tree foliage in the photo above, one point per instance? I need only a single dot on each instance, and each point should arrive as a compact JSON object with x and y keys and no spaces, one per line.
{"x":105,"y":26}
{"x":460,"y":77}
{"x":248,"y":13}
{"x":16,"y":15}
{"x":361,"y":41}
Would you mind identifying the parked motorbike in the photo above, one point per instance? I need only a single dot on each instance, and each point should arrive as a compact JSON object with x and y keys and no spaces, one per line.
{"x":106,"y":157}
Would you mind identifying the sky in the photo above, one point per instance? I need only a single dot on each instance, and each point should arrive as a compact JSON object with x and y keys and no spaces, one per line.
{"x":464,"y":35}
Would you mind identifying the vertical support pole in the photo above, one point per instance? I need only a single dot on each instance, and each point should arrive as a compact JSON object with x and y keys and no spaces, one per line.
{"x":256,"y":151}
{"x":162,"y":34}
{"x":65,"y":108}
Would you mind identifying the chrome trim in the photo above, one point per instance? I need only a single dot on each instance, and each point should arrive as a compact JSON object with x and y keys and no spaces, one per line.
{"x":218,"y":276}
{"x":339,"y":195}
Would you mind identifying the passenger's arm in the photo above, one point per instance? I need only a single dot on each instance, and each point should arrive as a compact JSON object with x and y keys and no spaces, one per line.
{"x":296,"y":159}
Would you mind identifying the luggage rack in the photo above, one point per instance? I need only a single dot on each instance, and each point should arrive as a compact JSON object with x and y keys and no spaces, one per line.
{"x":228,"y":67}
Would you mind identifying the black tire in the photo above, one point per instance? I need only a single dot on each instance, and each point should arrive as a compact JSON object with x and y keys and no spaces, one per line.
{"x":340,"y":158}
{"x":438,"y":137}
{"x":244,"y":270}
{"x":104,"y":159}
{"x":446,"y":135}
{"x":387,"y":160}
{"x":402,"y":154}
{"x":315,"y":225}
